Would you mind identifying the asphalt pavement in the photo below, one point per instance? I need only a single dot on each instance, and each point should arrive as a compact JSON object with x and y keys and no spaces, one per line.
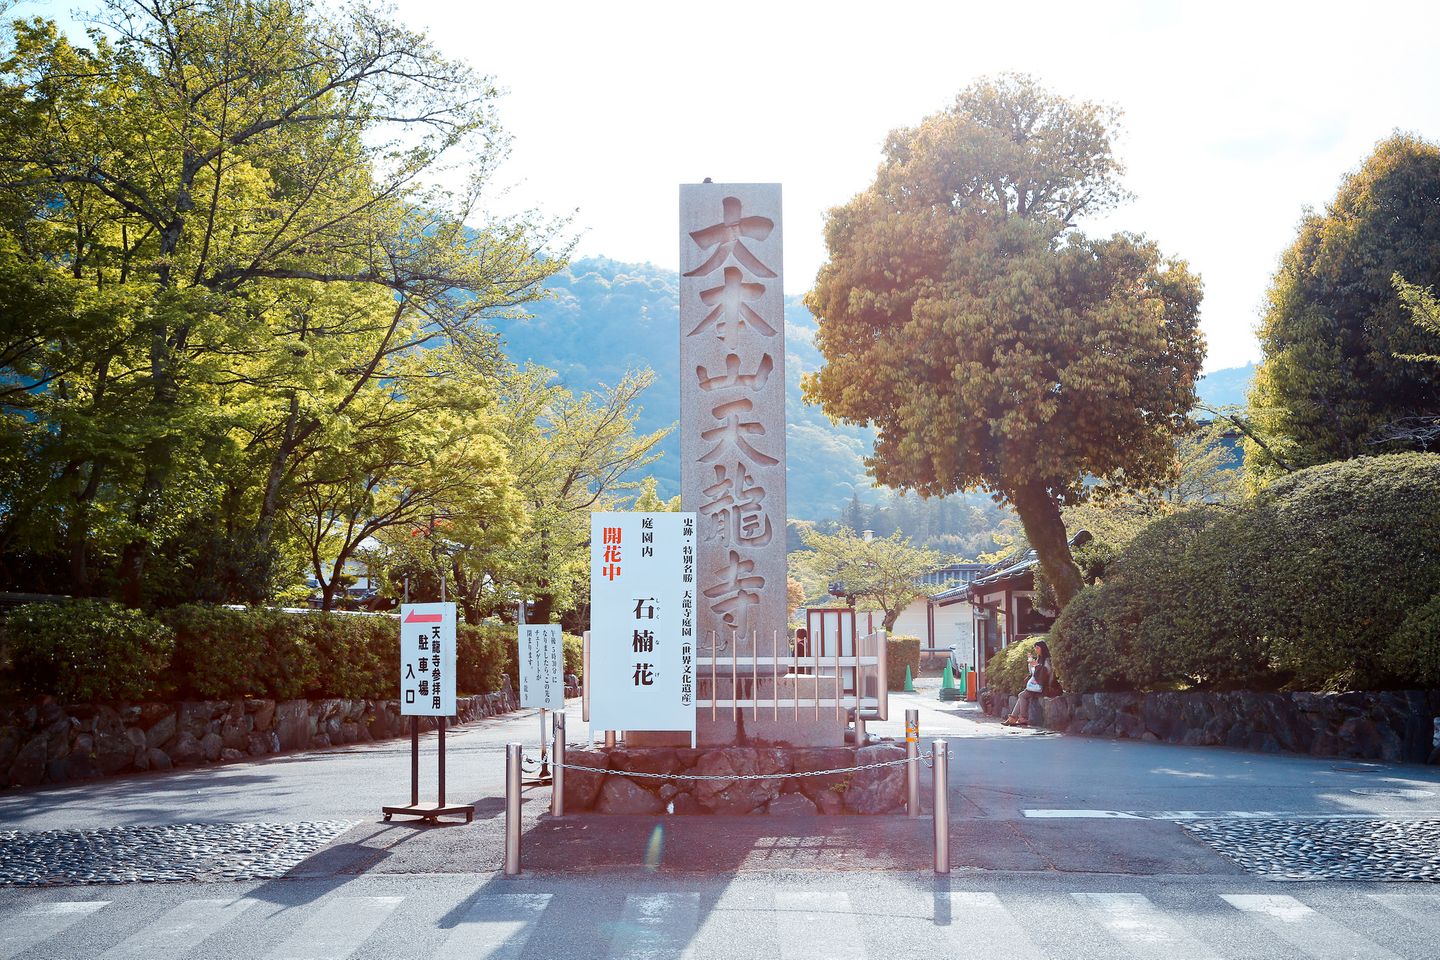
{"x":1060,"y":847}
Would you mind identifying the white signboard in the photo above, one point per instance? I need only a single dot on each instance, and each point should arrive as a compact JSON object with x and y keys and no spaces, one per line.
{"x":642,"y":621}
{"x":542,"y":666}
{"x":427,"y":659}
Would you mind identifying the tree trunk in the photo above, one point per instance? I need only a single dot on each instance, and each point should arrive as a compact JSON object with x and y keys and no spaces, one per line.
{"x":1040,"y":516}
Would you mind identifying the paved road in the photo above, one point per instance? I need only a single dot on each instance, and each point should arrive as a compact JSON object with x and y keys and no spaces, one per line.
{"x":1062,"y":847}
{"x":740,"y":917}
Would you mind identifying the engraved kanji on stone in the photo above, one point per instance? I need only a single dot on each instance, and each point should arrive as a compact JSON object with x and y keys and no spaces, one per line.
{"x":732,"y":377}
{"x":732,"y":432}
{"x":736,"y":588}
{"x":735,"y":503}
{"x":727,"y":236}
{"x":731,"y":310}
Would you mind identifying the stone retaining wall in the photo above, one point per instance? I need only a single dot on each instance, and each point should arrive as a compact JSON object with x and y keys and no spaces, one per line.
{"x":49,"y":743}
{"x":1401,"y":725}
{"x":877,"y":791}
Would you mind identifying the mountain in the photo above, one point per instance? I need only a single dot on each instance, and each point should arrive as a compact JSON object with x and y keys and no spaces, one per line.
{"x":1226,"y":387}
{"x":604,"y":317}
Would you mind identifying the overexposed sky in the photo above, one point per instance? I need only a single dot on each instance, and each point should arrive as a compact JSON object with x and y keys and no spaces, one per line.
{"x":1236,"y":115}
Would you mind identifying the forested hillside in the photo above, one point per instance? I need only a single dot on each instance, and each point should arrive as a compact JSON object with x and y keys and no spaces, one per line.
{"x":604,"y":318}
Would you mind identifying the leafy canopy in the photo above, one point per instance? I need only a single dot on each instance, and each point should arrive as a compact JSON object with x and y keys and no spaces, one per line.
{"x":990,"y":343}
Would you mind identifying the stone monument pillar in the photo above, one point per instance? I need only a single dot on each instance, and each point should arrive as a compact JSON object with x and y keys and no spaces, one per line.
{"x":732,"y":419}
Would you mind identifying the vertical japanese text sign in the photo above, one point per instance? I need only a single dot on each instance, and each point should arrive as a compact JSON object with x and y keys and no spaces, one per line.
{"x":643,"y":595}
{"x":542,"y":666}
{"x":732,"y":401}
{"x":427,"y":659}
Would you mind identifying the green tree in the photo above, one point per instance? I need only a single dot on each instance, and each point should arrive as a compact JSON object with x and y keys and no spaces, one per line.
{"x":224,"y":205}
{"x":884,"y":571}
{"x":1336,"y":335}
{"x":989,"y":342}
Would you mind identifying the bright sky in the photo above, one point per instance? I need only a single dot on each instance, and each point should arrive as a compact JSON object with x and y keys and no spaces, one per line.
{"x":1236,"y":116}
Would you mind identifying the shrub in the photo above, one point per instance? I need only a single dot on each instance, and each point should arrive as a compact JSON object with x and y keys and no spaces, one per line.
{"x":901,"y":652}
{"x":1413,"y":651}
{"x":574,"y":654}
{"x":85,"y":651}
{"x":1324,"y":580}
{"x":223,"y":653}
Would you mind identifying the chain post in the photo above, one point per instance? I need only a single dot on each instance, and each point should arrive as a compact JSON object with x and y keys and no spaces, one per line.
{"x":557,"y":775}
{"x":512,"y":808}
{"x":940,"y":754}
{"x":912,"y":772}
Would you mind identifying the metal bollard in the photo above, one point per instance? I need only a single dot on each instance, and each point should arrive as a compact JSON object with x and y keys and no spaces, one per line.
{"x":557,"y":778}
{"x":512,"y":808}
{"x":940,"y":756}
{"x":912,"y":769}
{"x":544,"y":749}
{"x":609,"y":739}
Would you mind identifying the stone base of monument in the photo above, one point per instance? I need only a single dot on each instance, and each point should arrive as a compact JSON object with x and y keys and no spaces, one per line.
{"x":879,"y":790}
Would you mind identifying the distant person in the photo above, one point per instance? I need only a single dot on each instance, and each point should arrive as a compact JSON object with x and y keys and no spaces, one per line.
{"x":802,"y":649}
{"x":957,"y":669}
{"x":1040,"y":684}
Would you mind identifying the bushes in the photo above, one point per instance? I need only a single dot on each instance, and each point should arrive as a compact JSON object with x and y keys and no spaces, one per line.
{"x":84,"y":651}
{"x":1325,"y":580}
{"x":901,"y":652}
{"x":87,"y":650}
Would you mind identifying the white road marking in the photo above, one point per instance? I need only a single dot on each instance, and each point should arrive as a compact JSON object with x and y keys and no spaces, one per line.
{"x":1142,"y":927}
{"x":495,"y":927}
{"x":25,"y":929}
{"x":1081,"y":815}
{"x":337,"y":929}
{"x":817,"y":926}
{"x":970,"y":912}
{"x":1306,"y":930}
{"x":1415,"y":907}
{"x":179,"y":930}
{"x":655,"y":926}
{"x":1168,"y":815}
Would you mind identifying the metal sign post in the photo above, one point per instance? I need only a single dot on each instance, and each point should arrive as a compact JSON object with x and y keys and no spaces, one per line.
{"x":427,"y":689}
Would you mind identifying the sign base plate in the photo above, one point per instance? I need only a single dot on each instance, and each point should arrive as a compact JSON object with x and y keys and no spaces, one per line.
{"x":431,"y":812}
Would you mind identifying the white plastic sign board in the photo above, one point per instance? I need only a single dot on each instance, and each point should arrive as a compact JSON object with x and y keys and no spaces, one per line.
{"x":642,"y":621}
{"x":427,"y":659}
{"x":542,"y":666}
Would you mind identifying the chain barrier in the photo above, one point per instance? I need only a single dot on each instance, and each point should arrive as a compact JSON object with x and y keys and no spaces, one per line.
{"x":739,"y":776}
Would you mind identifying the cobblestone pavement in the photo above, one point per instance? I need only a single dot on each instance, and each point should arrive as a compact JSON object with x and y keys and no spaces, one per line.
{"x":1327,"y":849}
{"x":174,"y":852}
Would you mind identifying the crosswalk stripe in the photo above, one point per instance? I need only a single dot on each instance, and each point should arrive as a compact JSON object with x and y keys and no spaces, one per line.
{"x":656,"y":926}
{"x":1416,"y":907}
{"x":495,"y":927}
{"x":23,"y":930}
{"x":984,"y":911}
{"x":817,"y":926}
{"x":1141,"y":926}
{"x":1306,"y":930}
{"x":340,"y":926}
{"x":179,"y":930}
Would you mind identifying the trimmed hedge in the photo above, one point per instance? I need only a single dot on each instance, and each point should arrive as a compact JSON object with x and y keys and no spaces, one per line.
{"x":1328,"y":579}
{"x":900,"y":652}
{"x":84,"y":651}
{"x":94,"y":651}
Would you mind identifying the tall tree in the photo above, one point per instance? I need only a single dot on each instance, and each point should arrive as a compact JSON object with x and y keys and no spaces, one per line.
{"x":884,"y":571}
{"x":1336,"y":334}
{"x":238,"y":186}
{"x":990,"y":343}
